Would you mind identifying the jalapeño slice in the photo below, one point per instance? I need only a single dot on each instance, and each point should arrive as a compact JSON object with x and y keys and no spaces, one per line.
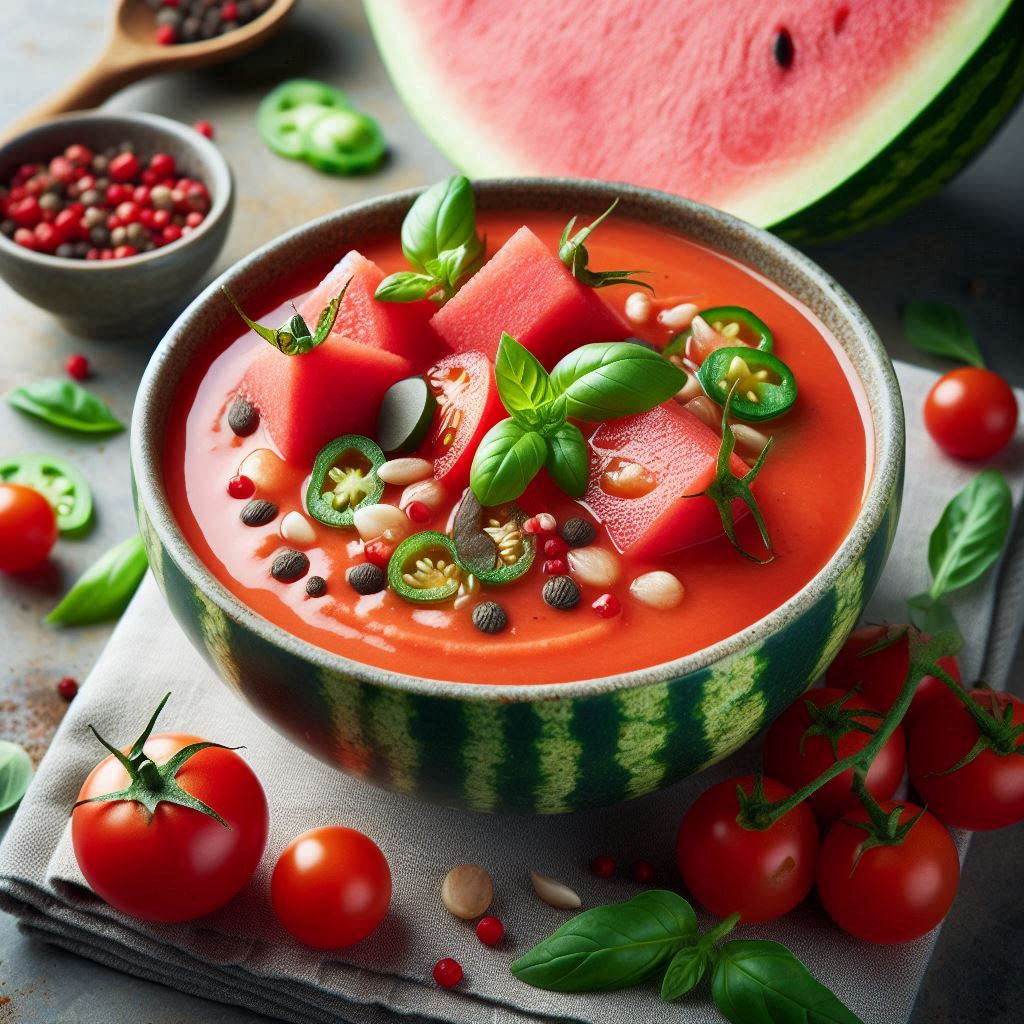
{"x":735,"y":323}
{"x":59,"y":482}
{"x":344,"y":478}
{"x":762,"y":385}
{"x":286,"y":112}
{"x":343,"y":142}
{"x":423,"y":569}
{"x":490,"y":542}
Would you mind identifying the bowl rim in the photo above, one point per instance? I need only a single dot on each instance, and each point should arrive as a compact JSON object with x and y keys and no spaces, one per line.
{"x":886,"y":420}
{"x":221,"y":192}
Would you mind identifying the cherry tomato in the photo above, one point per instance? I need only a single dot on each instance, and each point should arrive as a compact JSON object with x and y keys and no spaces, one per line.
{"x":988,"y":791}
{"x":28,"y":528}
{"x":796,"y":759}
{"x":971,"y":413}
{"x":180,"y":863}
{"x":875,"y":661}
{"x":891,"y":893}
{"x":331,"y":887}
{"x":758,"y":874}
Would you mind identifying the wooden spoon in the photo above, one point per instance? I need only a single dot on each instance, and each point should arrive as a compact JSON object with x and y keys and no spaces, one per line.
{"x":132,"y":53}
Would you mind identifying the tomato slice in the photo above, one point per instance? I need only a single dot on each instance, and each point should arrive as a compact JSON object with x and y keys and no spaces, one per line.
{"x":467,"y":407}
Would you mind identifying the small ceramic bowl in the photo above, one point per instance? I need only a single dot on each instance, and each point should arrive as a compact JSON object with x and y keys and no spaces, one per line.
{"x":126,"y":297}
{"x":536,"y":748}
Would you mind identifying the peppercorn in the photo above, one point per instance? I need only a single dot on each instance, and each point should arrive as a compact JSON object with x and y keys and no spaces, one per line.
{"x":561,"y":593}
{"x":316,"y":586}
{"x":258,"y":512}
{"x":366,"y":578}
{"x":243,"y":419}
{"x":489,"y":617}
{"x":578,"y":533}
{"x":288,"y":566}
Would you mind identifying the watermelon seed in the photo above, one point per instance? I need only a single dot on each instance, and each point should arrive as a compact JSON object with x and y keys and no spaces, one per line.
{"x":783,"y":48}
{"x":839,"y":18}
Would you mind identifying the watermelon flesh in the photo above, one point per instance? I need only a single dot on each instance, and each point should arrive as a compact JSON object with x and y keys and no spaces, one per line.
{"x":879,"y":103}
{"x":526,"y":290}
{"x":402,"y":328}
{"x":641,"y":469}
{"x":307,"y":400}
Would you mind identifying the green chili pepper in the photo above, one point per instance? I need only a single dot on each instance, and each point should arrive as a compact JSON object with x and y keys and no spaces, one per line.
{"x":424,"y":570}
{"x":59,"y":482}
{"x":344,"y":479}
{"x":735,"y":322}
{"x":762,"y":385}
{"x":286,"y":112}
{"x":490,"y":542}
{"x":343,"y":142}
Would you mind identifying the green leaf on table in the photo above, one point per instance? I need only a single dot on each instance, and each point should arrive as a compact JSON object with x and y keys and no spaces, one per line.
{"x":940,"y":330}
{"x":763,"y":983}
{"x":405,"y":286}
{"x":931,"y":615}
{"x":508,"y":458}
{"x":442,"y":218}
{"x":685,"y":970}
{"x":63,"y":403}
{"x":523,"y":384}
{"x":613,"y":379}
{"x":567,"y":459}
{"x":611,"y":947}
{"x":15,"y":774}
{"x":103,"y":591}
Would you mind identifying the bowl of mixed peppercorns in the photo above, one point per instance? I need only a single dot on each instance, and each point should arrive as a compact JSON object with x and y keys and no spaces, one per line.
{"x":109,"y":221}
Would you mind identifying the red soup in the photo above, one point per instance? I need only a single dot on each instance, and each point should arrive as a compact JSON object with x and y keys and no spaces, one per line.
{"x":612,"y":557}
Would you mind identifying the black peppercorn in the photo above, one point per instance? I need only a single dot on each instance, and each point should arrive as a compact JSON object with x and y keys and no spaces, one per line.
{"x":258,"y":512}
{"x":289,"y":566}
{"x":561,"y":593}
{"x":243,"y":419}
{"x":489,"y":617}
{"x":316,"y":586}
{"x":578,"y":533}
{"x":366,"y":578}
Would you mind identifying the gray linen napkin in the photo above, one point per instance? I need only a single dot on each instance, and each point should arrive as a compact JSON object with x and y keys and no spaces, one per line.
{"x":241,"y":955}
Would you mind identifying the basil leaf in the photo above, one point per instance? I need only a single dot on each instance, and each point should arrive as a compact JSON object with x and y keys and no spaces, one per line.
{"x":610,"y":947}
{"x":15,"y":774}
{"x":523,"y":384}
{"x":931,"y":616}
{"x":65,"y":404}
{"x":940,"y":330}
{"x":567,"y":459}
{"x":763,"y":983}
{"x":605,"y":381}
{"x":103,"y":591}
{"x":508,"y":458}
{"x":443,"y":217}
{"x":971,"y":533}
{"x":405,"y":286}
{"x":685,"y":969}
{"x":452,"y":265}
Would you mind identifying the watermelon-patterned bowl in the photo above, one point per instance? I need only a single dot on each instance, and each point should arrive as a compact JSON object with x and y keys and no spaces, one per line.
{"x":548,"y":748}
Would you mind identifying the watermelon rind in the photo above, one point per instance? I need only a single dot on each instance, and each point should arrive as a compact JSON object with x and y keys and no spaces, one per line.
{"x":927,"y":126}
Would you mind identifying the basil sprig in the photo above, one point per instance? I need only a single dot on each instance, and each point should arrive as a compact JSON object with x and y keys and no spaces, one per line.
{"x":63,"y":403}
{"x":593,"y":383}
{"x":940,"y":330}
{"x":964,"y":545}
{"x":573,"y":253}
{"x":295,"y":338}
{"x":15,"y":774}
{"x":440,"y":240}
{"x":103,"y":591}
{"x":624,"y":944}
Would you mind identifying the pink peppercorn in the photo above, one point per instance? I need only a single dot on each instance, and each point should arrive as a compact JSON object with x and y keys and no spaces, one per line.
{"x":447,"y":972}
{"x":418,"y":511}
{"x":643,"y":872}
{"x":554,"y":567}
{"x":77,"y":366}
{"x":124,"y":167}
{"x":607,"y":606}
{"x":241,"y":487}
{"x":68,"y":688}
{"x":162,"y":165}
{"x":603,"y":866}
{"x":229,"y":12}
{"x":166,"y":35}
{"x":555,"y":547}
{"x":489,"y":930}
{"x":204,"y":128}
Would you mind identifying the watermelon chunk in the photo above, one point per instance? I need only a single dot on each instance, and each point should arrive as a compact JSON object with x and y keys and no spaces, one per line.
{"x":525,"y":289}
{"x":402,"y":328}
{"x":640,"y":469}
{"x":307,"y":400}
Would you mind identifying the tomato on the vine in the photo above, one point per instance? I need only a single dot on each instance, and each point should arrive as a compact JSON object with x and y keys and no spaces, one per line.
{"x":28,"y":527}
{"x":888,"y":892}
{"x":986,"y":791}
{"x":875,"y":661}
{"x":756,"y":873}
{"x":971,"y":413}
{"x":174,"y":828}
{"x":822,"y":727}
{"x":331,"y":887}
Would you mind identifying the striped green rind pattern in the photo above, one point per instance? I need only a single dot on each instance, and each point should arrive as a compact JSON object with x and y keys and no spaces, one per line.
{"x":542,"y":756}
{"x":940,"y":141}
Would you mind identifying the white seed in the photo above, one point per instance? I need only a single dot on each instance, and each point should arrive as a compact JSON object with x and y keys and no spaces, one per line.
{"x":749,"y":442}
{"x":593,"y":566}
{"x":690,"y":390}
{"x":373,"y":521}
{"x":706,"y":411}
{"x":678,"y":318}
{"x":658,"y":589}
{"x":554,"y":893}
{"x":430,"y":492}
{"x":638,"y":308}
{"x":704,"y":333}
{"x":298,"y":530}
{"x":405,"y":471}
{"x":467,"y":891}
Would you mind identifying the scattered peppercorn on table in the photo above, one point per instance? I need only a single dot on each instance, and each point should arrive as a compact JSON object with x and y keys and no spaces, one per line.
{"x":963,"y":243}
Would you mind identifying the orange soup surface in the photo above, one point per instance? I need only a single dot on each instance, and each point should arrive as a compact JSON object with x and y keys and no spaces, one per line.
{"x":809,"y":490}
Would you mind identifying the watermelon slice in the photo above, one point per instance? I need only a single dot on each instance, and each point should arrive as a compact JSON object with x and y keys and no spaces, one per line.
{"x":815,"y":119}
{"x":526,"y":290}
{"x":402,"y":328}
{"x":640,"y":469}
{"x":310,"y":399}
